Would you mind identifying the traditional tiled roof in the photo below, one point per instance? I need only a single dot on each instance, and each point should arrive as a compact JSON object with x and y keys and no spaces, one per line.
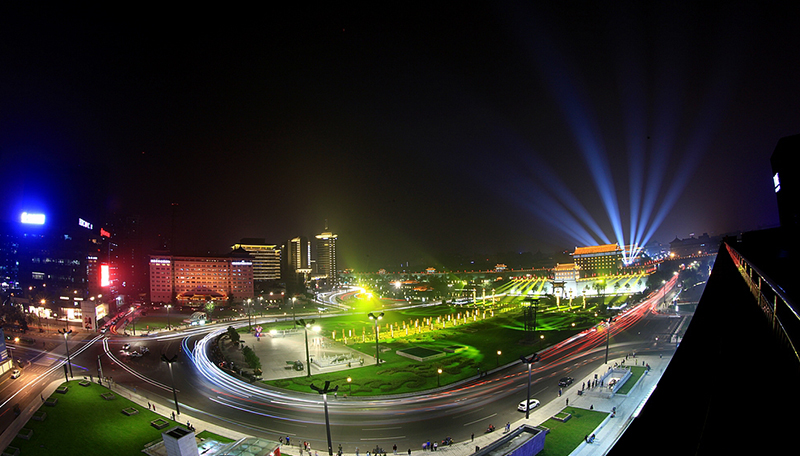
{"x":607,"y":248}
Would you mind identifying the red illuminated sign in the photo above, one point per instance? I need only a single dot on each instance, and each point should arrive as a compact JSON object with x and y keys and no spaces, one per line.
{"x":105,"y":233}
{"x":105,"y":276}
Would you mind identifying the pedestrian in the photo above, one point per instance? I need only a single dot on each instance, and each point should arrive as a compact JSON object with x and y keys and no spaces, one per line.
{"x":394,"y":447}
{"x":567,"y":402}
{"x":409,"y":452}
{"x":287,"y":441}
{"x":559,"y":392}
{"x":356,"y":451}
{"x":477,"y":448}
{"x":149,"y":406}
{"x":591,"y":407}
{"x":335,"y":394}
{"x":340,"y":448}
{"x":173,"y":416}
{"x":472,"y":437}
{"x":42,"y":395}
{"x":280,"y":440}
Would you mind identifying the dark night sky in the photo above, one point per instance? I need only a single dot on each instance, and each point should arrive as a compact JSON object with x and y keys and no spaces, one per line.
{"x":413,"y":129}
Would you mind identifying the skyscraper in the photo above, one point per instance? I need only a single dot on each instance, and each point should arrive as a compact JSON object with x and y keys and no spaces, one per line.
{"x":326,"y":257}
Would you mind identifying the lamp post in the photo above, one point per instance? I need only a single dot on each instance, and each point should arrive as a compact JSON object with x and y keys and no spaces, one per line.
{"x":608,"y":334}
{"x":438,"y":377}
{"x":169,"y":326}
{"x":249,"y":304}
{"x":498,"y":357}
{"x":324,"y":392}
{"x":375,"y":319}
{"x":529,"y":361}
{"x":169,"y":362}
{"x":67,"y":332}
{"x":306,"y":327}
{"x":350,"y":384}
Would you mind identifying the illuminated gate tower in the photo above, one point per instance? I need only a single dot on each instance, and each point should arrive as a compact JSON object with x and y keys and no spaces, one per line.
{"x":598,"y":260}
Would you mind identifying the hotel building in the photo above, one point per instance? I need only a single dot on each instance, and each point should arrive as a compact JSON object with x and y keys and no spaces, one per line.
{"x":191,"y":280}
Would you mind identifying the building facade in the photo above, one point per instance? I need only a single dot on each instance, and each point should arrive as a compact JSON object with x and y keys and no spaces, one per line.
{"x":266,"y":258}
{"x":598,"y":260}
{"x":193,"y":280}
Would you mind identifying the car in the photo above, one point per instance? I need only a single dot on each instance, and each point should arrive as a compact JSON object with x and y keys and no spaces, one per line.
{"x":16,"y":373}
{"x":566,"y":381}
{"x":532,"y":404}
{"x":126,"y":347}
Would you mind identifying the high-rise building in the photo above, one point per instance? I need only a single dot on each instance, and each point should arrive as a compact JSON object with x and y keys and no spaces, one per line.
{"x":266,"y":258}
{"x":326,"y":257}
{"x":298,"y":255}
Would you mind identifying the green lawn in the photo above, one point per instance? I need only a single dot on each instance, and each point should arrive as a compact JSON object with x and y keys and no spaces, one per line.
{"x":565,"y":437}
{"x":83,"y":423}
{"x":478,"y":343}
{"x":636,"y":374}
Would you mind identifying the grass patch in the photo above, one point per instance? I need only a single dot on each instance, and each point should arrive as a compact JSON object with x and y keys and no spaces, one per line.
{"x":564,"y":437}
{"x":636,"y":374}
{"x":206,"y":435}
{"x":479,"y":342}
{"x":82,"y":409}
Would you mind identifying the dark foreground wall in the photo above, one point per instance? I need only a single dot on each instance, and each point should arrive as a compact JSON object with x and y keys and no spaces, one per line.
{"x":730,"y":386}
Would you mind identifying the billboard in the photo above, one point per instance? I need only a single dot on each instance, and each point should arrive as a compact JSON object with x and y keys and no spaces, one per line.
{"x":32,"y":219}
{"x":105,"y":276}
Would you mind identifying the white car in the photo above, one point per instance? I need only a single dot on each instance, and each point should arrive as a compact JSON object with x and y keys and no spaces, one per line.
{"x":532,"y":404}
{"x":15,"y":373}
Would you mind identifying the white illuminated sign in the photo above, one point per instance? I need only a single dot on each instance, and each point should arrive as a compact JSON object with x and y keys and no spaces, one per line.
{"x":777,"y":182}
{"x":84,"y":223}
{"x":241,"y":263}
{"x":32,"y":219}
{"x":159,"y":261}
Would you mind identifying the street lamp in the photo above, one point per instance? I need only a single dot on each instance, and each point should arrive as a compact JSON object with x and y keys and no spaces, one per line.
{"x":249,"y":304}
{"x":306,"y":326}
{"x":438,"y":377}
{"x":529,"y":361}
{"x":67,"y":332}
{"x":169,"y":326}
{"x":608,"y":333}
{"x":350,"y":384}
{"x":169,"y":362}
{"x":375,"y":319}
{"x":324,"y":392}
{"x":498,"y":357}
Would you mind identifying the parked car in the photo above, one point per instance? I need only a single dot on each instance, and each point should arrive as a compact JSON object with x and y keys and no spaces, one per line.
{"x":566,"y":381}
{"x":532,"y":404}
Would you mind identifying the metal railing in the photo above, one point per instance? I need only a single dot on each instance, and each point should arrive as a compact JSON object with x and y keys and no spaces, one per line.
{"x":773,"y":301}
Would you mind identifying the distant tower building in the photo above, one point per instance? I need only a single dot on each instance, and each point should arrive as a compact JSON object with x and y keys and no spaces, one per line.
{"x":326,"y":256}
{"x":266,"y":258}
